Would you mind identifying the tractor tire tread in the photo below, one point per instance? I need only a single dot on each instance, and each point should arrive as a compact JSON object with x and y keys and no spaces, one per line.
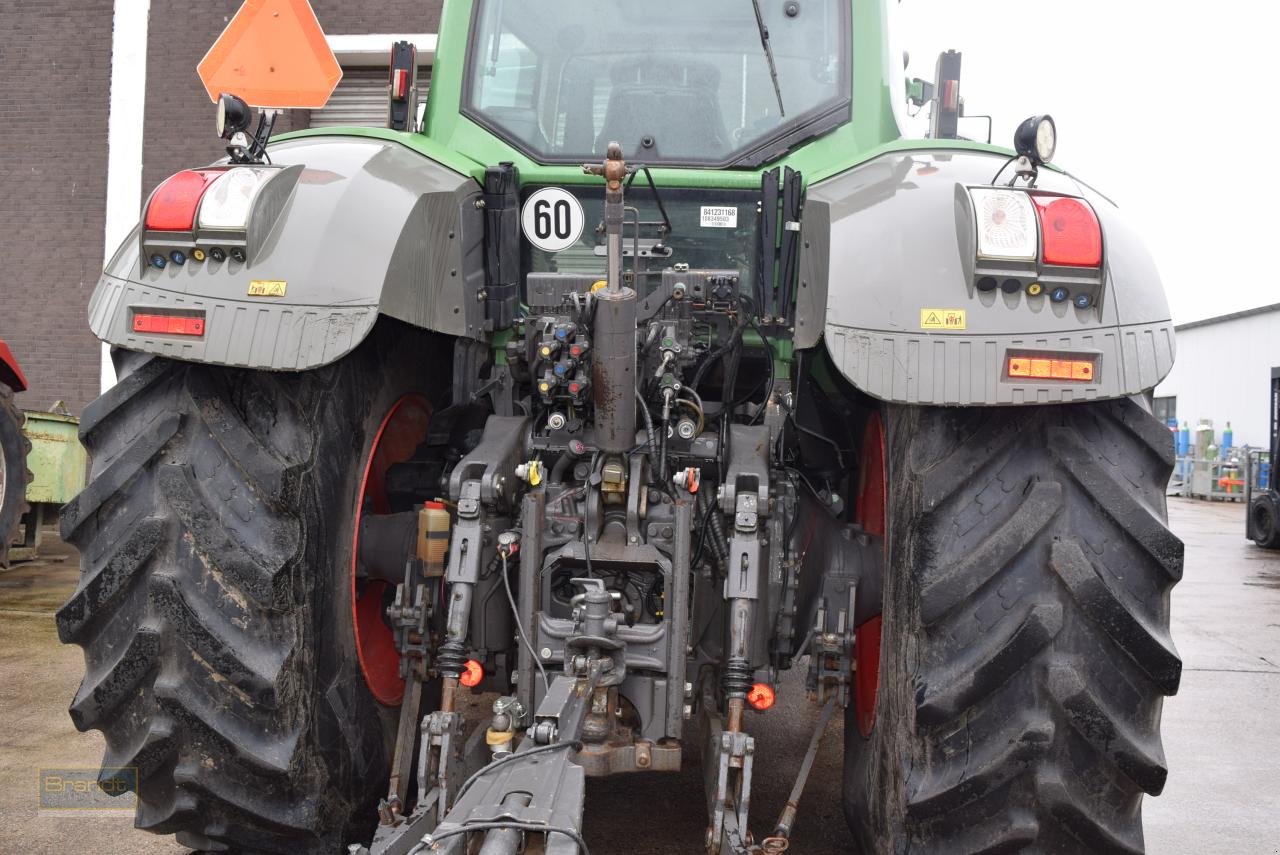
{"x":1028,"y":631}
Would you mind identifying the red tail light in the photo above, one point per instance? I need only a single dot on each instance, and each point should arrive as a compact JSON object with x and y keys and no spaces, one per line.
{"x":399,"y":84}
{"x":1069,"y":232}
{"x":173,"y":205}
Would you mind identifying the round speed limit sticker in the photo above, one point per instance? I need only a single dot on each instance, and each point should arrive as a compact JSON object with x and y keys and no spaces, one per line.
{"x":552,"y":219}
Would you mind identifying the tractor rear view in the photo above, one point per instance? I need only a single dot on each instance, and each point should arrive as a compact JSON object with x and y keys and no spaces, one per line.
{"x":654,"y":363}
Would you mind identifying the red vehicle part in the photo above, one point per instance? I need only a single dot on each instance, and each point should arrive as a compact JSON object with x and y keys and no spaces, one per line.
{"x":10,"y":372}
{"x":402,"y":430}
{"x":870,"y":513}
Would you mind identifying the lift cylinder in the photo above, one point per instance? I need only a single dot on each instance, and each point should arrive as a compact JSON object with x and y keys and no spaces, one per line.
{"x":613,"y":376}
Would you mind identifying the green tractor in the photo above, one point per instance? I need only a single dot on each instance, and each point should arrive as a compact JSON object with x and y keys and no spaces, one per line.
{"x":653,"y":361}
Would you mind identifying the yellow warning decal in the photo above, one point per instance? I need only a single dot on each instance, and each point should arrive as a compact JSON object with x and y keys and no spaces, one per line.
{"x":272,"y":288}
{"x":942,"y":319}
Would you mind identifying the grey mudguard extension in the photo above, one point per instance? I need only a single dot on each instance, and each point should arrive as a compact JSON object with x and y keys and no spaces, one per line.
{"x":370,"y":228}
{"x":888,"y":239}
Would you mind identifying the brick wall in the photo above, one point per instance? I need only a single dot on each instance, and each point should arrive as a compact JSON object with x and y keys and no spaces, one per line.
{"x":55,"y":62}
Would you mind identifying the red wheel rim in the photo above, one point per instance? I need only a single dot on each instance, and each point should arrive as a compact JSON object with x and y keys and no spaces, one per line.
{"x":869,"y":511}
{"x":401,"y":432}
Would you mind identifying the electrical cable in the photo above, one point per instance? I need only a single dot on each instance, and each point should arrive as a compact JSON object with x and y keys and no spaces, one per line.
{"x":702,"y":417}
{"x":768,"y":392}
{"x":515,"y":615}
{"x":648,"y":427}
{"x":823,"y":437}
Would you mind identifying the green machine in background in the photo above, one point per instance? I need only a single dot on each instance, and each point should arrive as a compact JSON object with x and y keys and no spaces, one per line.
{"x":58,"y":463}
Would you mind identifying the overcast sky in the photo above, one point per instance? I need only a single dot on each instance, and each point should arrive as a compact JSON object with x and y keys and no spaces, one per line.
{"x":1166,"y":107}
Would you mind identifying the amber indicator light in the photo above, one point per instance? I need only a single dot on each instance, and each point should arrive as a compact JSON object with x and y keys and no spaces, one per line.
{"x":472,"y":674}
{"x":761,"y":696}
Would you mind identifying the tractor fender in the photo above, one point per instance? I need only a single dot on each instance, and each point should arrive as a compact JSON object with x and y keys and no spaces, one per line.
{"x":10,"y":372}
{"x":361,"y":228}
{"x":893,"y":237}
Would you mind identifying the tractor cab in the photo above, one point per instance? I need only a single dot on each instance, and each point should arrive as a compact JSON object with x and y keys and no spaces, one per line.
{"x":560,"y":81}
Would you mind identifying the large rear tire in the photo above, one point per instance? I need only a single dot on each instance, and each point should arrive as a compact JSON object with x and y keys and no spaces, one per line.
{"x":14,"y":477}
{"x":215,"y":603}
{"x":1026,"y":647}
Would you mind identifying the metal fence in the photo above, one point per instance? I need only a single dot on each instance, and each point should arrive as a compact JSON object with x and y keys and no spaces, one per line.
{"x":1229,"y":480}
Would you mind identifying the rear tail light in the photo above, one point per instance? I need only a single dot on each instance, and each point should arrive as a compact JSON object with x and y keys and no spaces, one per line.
{"x":1006,"y":224}
{"x":227,"y":205}
{"x":1070,"y":230}
{"x":168,"y":324}
{"x":399,"y":84}
{"x":1048,"y":367}
{"x":173,"y":205}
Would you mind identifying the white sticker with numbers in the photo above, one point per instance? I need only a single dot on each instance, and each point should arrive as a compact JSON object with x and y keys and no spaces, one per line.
{"x":719,"y":217}
{"x":553,"y":219}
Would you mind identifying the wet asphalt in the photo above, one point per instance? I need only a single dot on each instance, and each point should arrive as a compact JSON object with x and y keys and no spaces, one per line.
{"x":1221,"y":732}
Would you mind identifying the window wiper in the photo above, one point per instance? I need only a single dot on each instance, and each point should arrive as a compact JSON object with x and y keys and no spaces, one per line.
{"x":768,"y":54}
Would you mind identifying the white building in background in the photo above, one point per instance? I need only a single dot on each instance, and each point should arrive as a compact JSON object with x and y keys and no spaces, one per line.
{"x":1223,"y":373}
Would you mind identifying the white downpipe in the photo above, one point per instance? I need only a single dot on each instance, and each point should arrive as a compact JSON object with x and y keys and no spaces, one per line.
{"x":125,"y":122}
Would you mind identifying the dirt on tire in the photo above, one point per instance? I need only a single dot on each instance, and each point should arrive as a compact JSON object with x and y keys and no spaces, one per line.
{"x":214,"y":606}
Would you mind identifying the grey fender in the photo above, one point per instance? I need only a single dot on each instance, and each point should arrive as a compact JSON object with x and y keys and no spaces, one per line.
{"x":358,"y":228}
{"x":892,"y":237}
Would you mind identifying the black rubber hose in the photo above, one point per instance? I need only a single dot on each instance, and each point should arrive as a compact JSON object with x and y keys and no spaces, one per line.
{"x":648,"y":428}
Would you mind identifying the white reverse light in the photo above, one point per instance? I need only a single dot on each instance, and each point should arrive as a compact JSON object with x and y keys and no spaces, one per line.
{"x":1007,"y":226}
{"x":229,"y":200}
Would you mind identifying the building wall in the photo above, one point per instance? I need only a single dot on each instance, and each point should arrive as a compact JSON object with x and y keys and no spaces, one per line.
{"x":1223,"y":373}
{"x":179,"y":128}
{"x":55,"y":61}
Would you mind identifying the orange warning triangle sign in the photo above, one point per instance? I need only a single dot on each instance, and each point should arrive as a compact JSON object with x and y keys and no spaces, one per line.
{"x":272,"y":54}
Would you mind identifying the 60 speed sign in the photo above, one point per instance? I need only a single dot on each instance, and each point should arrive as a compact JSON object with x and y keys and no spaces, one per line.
{"x":552,"y":219}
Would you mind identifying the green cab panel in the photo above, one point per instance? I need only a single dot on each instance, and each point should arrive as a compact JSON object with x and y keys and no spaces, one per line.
{"x":890,"y":248}
{"x":369,"y":227}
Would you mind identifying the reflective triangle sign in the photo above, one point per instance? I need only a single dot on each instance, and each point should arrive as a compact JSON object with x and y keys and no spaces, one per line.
{"x":272,"y":54}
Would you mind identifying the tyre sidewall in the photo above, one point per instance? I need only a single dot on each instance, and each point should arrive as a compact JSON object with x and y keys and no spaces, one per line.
{"x":365,"y":388}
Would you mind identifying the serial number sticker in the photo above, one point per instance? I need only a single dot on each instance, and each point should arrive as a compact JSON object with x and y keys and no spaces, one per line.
{"x":719,"y":217}
{"x":267,"y":288}
{"x":942,"y":319}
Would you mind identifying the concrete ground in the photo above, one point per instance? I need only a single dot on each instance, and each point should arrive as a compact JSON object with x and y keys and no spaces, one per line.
{"x":1221,"y":732}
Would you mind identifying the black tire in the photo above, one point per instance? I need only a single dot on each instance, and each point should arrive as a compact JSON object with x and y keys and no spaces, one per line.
{"x":14,"y":448}
{"x":1026,"y":647}
{"x":1264,"y":524}
{"x":214,"y":606}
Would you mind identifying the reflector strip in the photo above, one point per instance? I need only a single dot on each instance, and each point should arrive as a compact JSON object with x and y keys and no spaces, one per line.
{"x":1045,"y":368}
{"x":168,"y":324}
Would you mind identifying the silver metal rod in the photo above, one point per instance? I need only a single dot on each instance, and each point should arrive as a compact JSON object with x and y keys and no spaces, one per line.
{"x":788,"y":818}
